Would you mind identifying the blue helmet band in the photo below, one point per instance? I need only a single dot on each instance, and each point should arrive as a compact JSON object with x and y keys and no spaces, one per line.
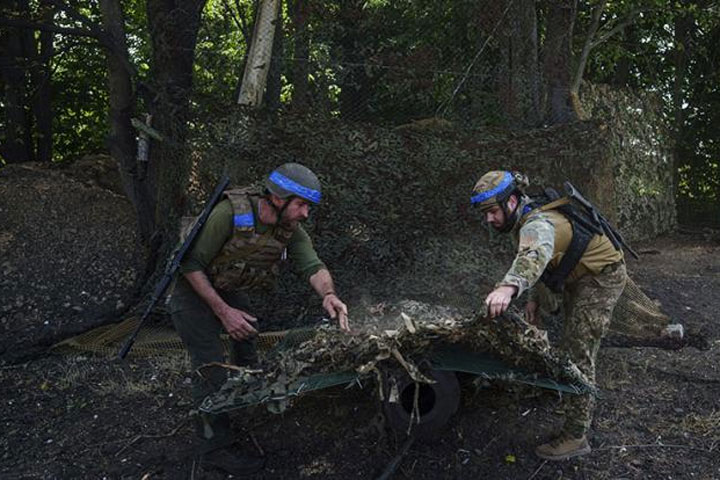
{"x":307,"y":193}
{"x":504,"y":184}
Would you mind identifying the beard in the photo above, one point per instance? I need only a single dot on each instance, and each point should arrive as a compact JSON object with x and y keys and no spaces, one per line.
{"x":288,"y":223}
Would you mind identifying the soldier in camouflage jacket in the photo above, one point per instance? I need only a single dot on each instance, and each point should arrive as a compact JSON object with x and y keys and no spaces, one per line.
{"x":584,"y":266}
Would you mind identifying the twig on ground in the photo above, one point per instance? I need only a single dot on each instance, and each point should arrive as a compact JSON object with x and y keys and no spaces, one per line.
{"x":538,"y":470}
{"x":395,"y":463}
{"x":480,"y":452}
{"x":192,"y":470}
{"x":142,"y":437}
{"x":257,"y":445}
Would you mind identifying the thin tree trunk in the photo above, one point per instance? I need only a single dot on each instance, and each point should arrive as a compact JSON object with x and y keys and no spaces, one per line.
{"x":17,"y":144}
{"x":557,"y":56}
{"x":122,"y":98}
{"x":621,"y":75}
{"x":582,"y":61}
{"x":355,"y":83}
{"x":518,"y":76}
{"x":246,"y":29}
{"x":274,"y":83}
{"x":42,"y":98}
{"x":684,"y":30}
{"x":258,"y":64}
{"x":299,"y":13}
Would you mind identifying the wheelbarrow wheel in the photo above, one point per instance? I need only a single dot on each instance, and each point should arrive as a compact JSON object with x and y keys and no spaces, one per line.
{"x":437,"y":402}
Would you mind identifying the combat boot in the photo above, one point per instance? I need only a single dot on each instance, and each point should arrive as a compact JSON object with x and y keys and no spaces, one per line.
{"x":563,"y":447}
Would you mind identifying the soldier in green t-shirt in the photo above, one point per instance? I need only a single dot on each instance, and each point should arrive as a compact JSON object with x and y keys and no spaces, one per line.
{"x":235,"y":256}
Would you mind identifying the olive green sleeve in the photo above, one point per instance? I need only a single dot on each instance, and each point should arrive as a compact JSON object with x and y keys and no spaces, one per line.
{"x":303,"y":257}
{"x":213,"y":235}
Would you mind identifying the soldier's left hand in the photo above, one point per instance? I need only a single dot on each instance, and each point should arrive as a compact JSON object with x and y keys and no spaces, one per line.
{"x":337,"y":310}
{"x":499,"y":299}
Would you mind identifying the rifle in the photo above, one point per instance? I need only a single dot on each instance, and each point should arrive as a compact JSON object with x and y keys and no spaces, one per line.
{"x":175,"y":263}
{"x":615,"y":237}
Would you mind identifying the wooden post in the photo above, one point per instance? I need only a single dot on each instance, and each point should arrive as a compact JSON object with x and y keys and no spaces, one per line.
{"x":258,"y":62}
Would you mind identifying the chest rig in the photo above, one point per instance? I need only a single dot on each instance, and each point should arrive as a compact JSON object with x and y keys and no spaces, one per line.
{"x":583,"y":231}
{"x":248,"y":260}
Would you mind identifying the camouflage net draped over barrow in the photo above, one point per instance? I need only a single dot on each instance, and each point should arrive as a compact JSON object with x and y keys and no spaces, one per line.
{"x":393,"y":338}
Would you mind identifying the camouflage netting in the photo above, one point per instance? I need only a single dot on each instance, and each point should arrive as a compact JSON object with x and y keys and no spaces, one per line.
{"x":395,"y":221}
{"x":397,"y":199}
{"x":642,"y":165}
{"x":391,"y":340}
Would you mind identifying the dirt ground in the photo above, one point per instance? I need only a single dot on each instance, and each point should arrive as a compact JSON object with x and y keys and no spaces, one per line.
{"x":658,"y":417}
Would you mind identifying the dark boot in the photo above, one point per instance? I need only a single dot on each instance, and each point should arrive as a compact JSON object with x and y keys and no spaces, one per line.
{"x":232,"y":462}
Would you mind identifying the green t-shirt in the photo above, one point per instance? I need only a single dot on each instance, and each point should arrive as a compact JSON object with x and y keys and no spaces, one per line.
{"x":218,"y":229}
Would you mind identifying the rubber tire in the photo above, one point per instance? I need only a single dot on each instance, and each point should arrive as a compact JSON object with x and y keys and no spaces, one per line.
{"x":437,"y":403}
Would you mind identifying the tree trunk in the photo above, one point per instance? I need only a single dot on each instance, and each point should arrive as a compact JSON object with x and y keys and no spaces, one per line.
{"x":300,"y":97}
{"x":274,"y":83}
{"x":42,"y":99}
{"x":518,"y":77}
{"x":621,"y":75}
{"x":355,"y":83}
{"x":17,"y":145}
{"x":590,"y":36}
{"x":258,"y":63}
{"x":561,"y":107}
{"x":173,"y":26}
{"x":121,"y":139}
{"x":684,"y":31}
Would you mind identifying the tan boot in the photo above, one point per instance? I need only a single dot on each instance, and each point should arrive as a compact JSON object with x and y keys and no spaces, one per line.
{"x":563,"y":447}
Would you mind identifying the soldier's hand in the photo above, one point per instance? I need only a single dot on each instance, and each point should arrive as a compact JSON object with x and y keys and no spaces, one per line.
{"x":499,"y":299}
{"x":238,"y":324}
{"x":531,"y":315}
{"x":337,"y":310}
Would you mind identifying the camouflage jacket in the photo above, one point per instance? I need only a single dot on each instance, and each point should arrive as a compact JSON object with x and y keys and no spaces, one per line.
{"x":535,"y":241}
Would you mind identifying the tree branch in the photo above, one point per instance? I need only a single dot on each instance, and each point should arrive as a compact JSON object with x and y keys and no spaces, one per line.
{"x":575,"y":87}
{"x":620,"y":26}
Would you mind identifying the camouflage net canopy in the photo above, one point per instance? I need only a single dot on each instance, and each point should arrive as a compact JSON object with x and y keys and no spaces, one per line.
{"x":392,"y":341}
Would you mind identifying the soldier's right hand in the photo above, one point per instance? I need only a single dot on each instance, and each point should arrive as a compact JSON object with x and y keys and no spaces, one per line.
{"x":238,"y":324}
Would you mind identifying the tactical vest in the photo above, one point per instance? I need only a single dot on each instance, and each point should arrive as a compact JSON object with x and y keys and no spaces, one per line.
{"x":248,"y":260}
{"x":580,"y":246}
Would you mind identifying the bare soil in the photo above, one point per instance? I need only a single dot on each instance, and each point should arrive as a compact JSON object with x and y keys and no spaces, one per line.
{"x":658,"y":417}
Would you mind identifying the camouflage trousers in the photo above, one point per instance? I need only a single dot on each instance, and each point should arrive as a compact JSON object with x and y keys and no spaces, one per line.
{"x":588,"y":304}
{"x":200,"y":330}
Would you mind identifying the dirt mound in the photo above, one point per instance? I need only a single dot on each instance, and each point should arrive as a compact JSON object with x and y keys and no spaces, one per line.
{"x":69,"y":257}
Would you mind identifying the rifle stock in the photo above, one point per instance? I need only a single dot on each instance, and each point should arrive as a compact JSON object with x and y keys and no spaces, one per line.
{"x":175,"y":264}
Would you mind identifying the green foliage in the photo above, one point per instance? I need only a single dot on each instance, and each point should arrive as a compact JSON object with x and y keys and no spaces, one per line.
{"x":80,"y":101}
{"x":644,"y":56}
{"x":393,"y":62}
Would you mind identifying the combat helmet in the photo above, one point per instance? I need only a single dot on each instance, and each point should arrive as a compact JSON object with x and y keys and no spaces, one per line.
{"x":494,"y":188}
{"x":294,"y":180}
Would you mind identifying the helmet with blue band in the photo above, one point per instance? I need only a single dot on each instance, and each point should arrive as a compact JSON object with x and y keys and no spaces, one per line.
{"x":493,"y":188}
{"x":294,"y":180}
